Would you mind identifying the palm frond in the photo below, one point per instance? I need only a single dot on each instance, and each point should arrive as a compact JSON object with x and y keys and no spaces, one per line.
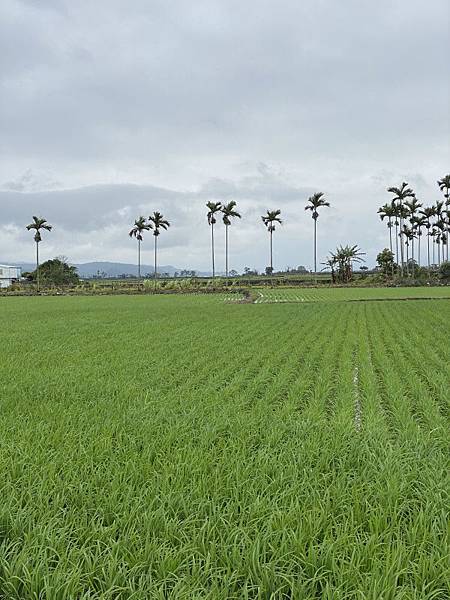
{"x":38,"y":224}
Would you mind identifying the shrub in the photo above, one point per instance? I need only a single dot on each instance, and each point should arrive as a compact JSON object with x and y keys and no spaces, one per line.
{"x":444,"y":271}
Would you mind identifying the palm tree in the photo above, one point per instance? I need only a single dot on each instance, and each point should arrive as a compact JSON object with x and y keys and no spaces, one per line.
{"x":37,"y":225}
{"x":396,"y":211}
{"x":441,"y":224}
{"x":330,"y":263}
{"x":412,"y":206}
{"x":447,"y":219}
{"x":439,"y":207}
{"x":157,"y":222}
{"x":444,"y":186}
{"x":410,"y":235}
{"x":213,"y":208}
{"x":269,"y":220}
{"x":345,"y":256}
{"x":428,"y":213}
{"x":419,"y":222}
{"x":403,"y":214}
{"x":316,"y":201}
{"x":439,"y":211}
{"x":440,"y":237}
{"x":388,"y":210}
{"x":400,"y":195}
{"x":140,"y":225}
{"x":228,"y":214}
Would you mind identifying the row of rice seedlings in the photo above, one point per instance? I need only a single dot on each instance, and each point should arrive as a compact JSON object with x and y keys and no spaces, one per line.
{"x":394,"y":398}
{"x":398,"y":494}
{"x":419,"y":405}
{"x":409,"y":355}
{"x":432,"y":343}
{"x":375,"y":411}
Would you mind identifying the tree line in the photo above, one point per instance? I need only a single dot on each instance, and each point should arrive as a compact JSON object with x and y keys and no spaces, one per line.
{"x":410,"y":219}
{"x":402,"y":214}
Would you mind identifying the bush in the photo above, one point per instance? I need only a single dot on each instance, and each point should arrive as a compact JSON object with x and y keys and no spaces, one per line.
{"x":444,"y":271}
{"x":55,"y":272}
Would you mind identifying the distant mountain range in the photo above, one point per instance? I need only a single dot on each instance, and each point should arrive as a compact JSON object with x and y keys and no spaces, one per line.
{"x":108,"y":269}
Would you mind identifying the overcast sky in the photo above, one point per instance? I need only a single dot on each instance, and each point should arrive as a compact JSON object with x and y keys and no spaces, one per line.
{"x":111,"y":109}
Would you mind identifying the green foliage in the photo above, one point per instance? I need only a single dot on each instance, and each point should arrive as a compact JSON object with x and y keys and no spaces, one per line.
{"x":55,"y":272}
{"x":179,"y":447}
{"x":385,"y":260}
{"x":444,"y":271}
{"x":37,"y":225}
{"x":341,"y":262}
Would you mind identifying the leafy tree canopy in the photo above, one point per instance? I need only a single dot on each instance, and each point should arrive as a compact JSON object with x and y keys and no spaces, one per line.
{"x":56,"y":271}
{"x":385,"y":260}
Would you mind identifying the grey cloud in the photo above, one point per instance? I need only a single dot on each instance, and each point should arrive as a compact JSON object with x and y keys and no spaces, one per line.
{"x":31,"y":182}
{"x":166,"y":77}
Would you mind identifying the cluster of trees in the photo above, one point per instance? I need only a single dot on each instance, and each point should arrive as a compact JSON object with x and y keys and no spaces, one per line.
{"x":156,"y":222}
{"x":411,"y":219}
{"x":228,"y":212}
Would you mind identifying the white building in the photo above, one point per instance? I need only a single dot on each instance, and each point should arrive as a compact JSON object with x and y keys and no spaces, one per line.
{"x":8,"y":275}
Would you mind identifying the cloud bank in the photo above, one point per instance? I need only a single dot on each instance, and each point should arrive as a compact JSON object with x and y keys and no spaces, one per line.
{"x":109,"y":110}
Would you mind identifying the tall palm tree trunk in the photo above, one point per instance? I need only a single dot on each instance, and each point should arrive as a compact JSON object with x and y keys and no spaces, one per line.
{"x":402,"y":251}
{"x":226,"y":251}
{"x":418,"y":246}
{"x":447,"y":240}
{"x":315,"y":250}
{"x":396,"y":242}
{"x":390,"y":234}
{"x":156,"y":259}
{"x":412,"y":257}
{"x":390,"y":242}
{"x":212,"y":250}
{"x":139,"y":260}
{"x":271,"y":253}
{"x":37,"y":267}
{"x":428,"y":247}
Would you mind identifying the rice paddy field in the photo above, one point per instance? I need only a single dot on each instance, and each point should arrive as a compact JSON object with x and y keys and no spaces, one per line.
{"x":189,"y":447}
